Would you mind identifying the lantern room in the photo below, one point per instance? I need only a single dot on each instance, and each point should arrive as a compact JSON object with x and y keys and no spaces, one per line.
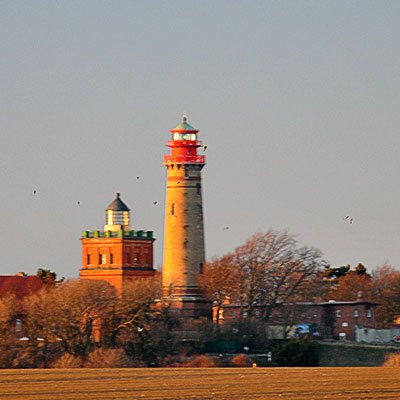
{"x":184,"y":131}
{"x":117,"y":216}
{"x":184,"y":145}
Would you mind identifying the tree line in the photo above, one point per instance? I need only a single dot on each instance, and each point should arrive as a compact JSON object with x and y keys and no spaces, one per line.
{"x":77,"y":323}
{"x":67,"y":324}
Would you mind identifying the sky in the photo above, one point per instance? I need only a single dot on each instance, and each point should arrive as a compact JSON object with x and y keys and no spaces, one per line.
{"x":297,"y":101}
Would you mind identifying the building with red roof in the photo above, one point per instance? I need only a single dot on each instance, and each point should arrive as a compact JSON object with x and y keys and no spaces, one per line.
{"x":19,"y":285}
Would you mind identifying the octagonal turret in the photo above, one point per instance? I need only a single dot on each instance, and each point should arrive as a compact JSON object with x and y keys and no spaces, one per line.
{"x":117,"y":216}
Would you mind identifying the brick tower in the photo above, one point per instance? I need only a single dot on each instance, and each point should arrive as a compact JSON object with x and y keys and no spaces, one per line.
{"x":117,"y":254}
{"x":184,"y":231}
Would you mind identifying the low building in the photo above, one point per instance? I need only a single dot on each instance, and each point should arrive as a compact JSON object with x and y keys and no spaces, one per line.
{"x":19,"y":285}
{"x":324,"y":320}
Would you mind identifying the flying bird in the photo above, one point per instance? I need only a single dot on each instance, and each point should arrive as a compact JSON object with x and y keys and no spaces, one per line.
{"x":226,"y":228}
{"x":140,"y":329}
{"x":78,"y":203}
{"x":154,"y":202}
{"x":204,"y":148}
{"x":348,"y":219}
{"x":137,"y":177}
{"x":34,"y":192}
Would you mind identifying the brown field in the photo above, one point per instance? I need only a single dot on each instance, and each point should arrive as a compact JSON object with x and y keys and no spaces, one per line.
{"x":202,"y":383}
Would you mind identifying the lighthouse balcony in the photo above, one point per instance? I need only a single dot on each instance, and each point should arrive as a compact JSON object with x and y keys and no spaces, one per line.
{"x":184,"y":159}
{"x":184,"y":143}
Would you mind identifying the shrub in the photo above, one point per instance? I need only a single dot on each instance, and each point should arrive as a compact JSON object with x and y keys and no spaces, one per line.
{"x":392,"y":360}
{"x":240,"y":360}
{"x":67,"y":361}
{"x":249,"y":333}
{"x":108,"y":358}
{"x":182,"y":361}
{"x":297,"y":353}
{"x":200,"y":361}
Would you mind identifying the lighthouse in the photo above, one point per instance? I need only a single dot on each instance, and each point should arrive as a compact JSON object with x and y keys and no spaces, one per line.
{"x":117,"y":254}
{"x":184,"y":229}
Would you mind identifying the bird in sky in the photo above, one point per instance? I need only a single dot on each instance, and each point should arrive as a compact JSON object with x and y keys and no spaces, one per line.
{"x":226,"y":228}
{"x":137,"y":177}
{"x":154,"y":202}
{"x":78,"y":203}
{"x":348,"y":219}
{"x":34,"y":192}
{"x":204,"y":148}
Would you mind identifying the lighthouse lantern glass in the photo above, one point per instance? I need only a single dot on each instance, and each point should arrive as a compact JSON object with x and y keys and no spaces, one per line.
{"x":184,"y":136}
{"x":117,"y":217}
{"x":109,"y":217}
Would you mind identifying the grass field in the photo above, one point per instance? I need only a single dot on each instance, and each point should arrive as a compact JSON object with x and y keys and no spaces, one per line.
{"x":202,"y":383}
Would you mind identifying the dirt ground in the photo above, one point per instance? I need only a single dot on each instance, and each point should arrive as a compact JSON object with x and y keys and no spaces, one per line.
{"x":202,"y":383}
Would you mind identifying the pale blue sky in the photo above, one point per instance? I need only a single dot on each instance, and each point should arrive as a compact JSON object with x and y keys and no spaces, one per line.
{"x":298,"y":102}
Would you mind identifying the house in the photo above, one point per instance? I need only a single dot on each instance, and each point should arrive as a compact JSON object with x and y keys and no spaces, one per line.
{"x":323,"y":320}
{"x":19,"y":285}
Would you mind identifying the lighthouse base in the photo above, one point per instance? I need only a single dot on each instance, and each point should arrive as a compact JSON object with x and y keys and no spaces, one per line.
{"x":188,"y":307}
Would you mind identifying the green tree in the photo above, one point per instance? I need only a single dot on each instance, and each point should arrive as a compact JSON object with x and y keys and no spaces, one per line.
{"x":361,"y":270}
{"x":48,"y":276}
{"x":296,"y":353}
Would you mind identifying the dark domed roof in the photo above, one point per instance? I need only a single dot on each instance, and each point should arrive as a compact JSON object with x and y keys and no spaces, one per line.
{"x":117,"y":205}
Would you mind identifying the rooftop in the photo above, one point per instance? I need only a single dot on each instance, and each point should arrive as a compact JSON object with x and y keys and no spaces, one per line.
{"x":117,"y":205}
{"x":184,"y":127}
{"x":19,"y":285}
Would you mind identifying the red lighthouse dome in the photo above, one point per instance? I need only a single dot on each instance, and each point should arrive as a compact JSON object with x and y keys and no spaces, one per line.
{"x":184,"y":145}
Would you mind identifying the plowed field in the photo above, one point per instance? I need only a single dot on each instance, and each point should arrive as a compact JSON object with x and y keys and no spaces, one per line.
{"x":202,"y":383}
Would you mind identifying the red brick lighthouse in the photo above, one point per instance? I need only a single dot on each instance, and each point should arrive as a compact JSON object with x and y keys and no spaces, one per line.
{"x":184,"y":229}
{"x":117,"y":254}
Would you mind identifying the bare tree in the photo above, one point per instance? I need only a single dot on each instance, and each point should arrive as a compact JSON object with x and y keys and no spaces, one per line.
{"x":8,"y":339}
{"x":141,"y":325}
{"x":80,"y":307}
{"x":38,"y":328}
{"x":386,"y":291}
{"x":274,"y":270}
{"x":219,"y":282}
{"x":134,"y":306}
{"x":352,"y":287}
